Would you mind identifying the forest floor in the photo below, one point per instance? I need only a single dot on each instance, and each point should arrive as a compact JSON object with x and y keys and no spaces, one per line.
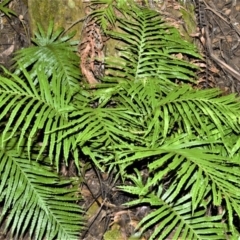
{"x":218,"y":39}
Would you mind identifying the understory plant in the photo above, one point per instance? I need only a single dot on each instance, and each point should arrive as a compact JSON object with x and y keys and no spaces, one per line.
{"x":4,"y":9}
{"x":178,"y":145}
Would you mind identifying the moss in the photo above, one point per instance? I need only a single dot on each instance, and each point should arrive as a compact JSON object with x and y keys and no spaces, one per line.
{"x":64,"y":13}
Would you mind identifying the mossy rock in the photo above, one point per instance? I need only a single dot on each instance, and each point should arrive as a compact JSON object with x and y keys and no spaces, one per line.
{"x":64,"y":13}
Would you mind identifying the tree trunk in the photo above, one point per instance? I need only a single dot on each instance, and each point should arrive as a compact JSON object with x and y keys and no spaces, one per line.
{"x":64,"y":13}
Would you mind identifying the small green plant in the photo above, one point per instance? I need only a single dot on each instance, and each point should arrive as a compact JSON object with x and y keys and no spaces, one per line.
{"x":34,"y":102}
{"x":187,"y":139}
{"x":6,"y":10}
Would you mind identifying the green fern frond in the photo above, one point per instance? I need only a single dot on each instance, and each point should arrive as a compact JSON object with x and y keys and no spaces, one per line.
{"x":106,"y":11}
{"x":195,"y":107}
{"x":191,"y":169}
{"x":36,"y":199}
{"x":150,"y":49}
{"x":52,"y":53}
{"x":37,"y":107}
{"x":5,"y":9}
{"x":175,"y":218}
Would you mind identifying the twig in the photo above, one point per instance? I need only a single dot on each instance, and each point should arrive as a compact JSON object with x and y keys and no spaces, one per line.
{"x":73,"y":24}
{"x":222,"y":64}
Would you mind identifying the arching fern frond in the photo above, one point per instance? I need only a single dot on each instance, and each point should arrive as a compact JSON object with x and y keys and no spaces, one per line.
{"x":36,"y":200}
{"x":37,"y":107}
{"x":178,"y":132}
{"x":194,"y":110}
{"x":105,"y":11}
{"x":52,"y":53}
{"x":175,"y":219}
{"x":150,"y":49}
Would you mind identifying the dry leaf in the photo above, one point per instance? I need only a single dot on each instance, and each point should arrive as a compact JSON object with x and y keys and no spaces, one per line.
{"x":8,"y":51}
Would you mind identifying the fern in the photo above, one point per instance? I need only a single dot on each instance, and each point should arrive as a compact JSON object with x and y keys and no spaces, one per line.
{"x":137,"y":118}
{"x":35,"y":100}
{"x":36,"y":197}
{"x":105,"y":11}
{"x":181,"y":134}
{"x":42,"y":107}
{"x":51,"y":53}
{"x":5,"y":9}
{"x":150,"y":49}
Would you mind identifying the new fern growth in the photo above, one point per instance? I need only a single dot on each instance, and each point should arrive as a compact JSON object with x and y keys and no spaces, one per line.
{"x":187,"y":139}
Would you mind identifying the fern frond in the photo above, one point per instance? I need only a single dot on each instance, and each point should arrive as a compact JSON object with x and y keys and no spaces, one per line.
{"x":5,"y":9}
{"x":105,"y":13}
{"x":192,"y":169}
{"x":150,"y":49}
{"x":52,"y":53}
{"x":35,"y":198}
{"x":31,"y":108}
{"x":175,"y":217}
{"x":195,"y":108}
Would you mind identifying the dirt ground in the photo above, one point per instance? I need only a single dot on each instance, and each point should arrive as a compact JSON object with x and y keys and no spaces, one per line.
{"x":218,"y":39}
